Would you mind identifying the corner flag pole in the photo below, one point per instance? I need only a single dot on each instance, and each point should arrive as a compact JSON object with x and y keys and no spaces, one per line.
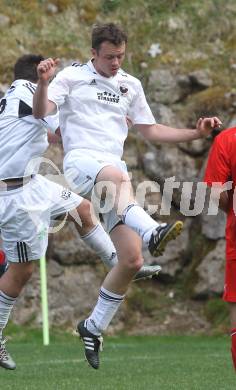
{"x":44,"y":300}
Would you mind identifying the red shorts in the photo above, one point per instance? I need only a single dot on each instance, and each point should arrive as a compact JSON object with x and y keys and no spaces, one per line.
{"x":230,"y":281}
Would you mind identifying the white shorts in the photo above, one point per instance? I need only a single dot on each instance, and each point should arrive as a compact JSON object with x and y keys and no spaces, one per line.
{"x":25,"y":215}
{"x":81,"y":170}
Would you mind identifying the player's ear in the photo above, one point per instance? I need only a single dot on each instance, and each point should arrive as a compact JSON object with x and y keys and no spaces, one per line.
{"x":94,"y":52}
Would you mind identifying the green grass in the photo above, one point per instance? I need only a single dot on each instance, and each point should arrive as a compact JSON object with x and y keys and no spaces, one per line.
{"x":137,"y":363}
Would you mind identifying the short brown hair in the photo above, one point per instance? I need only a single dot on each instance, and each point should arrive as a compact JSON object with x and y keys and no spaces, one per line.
{"x":26,"y":67}
{"x":108,"y":32}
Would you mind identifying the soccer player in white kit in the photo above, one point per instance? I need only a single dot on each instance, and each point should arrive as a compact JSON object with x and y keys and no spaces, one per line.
{"x":29,"y":201}
{"x":94,"y":100}
{"x":25,"y":212}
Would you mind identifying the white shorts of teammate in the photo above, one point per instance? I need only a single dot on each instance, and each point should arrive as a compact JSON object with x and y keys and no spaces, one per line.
{"x":25,"y":215}
{"x":81,"y":170}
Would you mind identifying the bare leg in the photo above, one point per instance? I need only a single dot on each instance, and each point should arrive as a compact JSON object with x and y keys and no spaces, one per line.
{"x":123,"y":196}
{"x":86,"y":215}
{"x":17,"y":275}
{"x":232,"y":308}
{"x":232,"y":311}
{"x":128,"y":247}
{"x":11,"y":284}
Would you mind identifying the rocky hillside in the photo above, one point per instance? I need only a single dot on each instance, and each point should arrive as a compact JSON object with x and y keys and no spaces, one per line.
{"x":184,"y":53}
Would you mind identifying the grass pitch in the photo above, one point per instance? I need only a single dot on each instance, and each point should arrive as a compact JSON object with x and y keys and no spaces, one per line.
{"x":127,"y":363}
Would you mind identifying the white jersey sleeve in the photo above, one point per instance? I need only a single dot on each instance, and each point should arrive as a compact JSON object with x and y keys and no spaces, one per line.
{"x":51,"y":122}
{"x":22,"y":137}
{"x":59,"y":88}
{"x":24,"y":93}
{"x":139,"y":111}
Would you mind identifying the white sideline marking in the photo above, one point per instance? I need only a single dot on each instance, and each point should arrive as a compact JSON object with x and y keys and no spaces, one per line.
{"x":60,"y":361}
{"x":41,"y":362}
{"x":104,"y":359}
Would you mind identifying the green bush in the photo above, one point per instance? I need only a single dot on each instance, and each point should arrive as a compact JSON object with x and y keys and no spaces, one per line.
{"x":216,"y":312}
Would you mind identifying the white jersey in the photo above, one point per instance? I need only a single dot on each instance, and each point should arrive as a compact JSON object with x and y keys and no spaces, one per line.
{"x":22,"y":137}
{"x":93,"y":109}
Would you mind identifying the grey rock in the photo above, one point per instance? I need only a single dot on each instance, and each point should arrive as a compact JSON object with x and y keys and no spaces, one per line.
{"x":211,"y":272}
{"x":163,"y":114}
{"x":232,"y":122}
{"x":168,"y":165}
{"x":200,"y":79}
{"x":55,"y":269}
{"x":4,"y":21}
{"x":52,"y":8}
{"x":196,"y":148}
{"x":164,"y":85}
{"x":175,"y":23}
{"x":184,"y":81}
{"x":70,"y":249}
{"x":213,"y":226}
{"x":71,"y":297}
{"x":3,"y":89}
{"x":170,"y":261}
{"x":168,"y":88}
{"x":168,"y":161}
{"x":53,"y":163}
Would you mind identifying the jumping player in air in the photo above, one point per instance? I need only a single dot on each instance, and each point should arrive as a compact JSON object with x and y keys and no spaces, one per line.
{"x":94,"y":100}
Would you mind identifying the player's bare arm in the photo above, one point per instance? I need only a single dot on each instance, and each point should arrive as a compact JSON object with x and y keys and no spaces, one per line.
{"x":55,"y":138}
{"x":41,"y":105}
{"x":224,"y":203}
{"x":162,"y":133}
{"x":220,"y":195}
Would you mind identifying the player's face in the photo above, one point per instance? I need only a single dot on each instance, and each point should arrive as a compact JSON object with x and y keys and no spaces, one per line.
{"x":108,"y":59}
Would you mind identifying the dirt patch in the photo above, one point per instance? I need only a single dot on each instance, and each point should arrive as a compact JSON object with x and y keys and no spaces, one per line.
{"x":155,"y":309}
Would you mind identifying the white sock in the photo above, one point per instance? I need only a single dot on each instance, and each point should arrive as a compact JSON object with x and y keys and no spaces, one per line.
{"x":100,"y":242}
{"x":137,"y":219}
{"x":105,"y":309}
{"x":6,"y":305}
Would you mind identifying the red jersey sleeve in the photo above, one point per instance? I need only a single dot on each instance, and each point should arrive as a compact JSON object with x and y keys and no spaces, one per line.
{"x":218,"y":167}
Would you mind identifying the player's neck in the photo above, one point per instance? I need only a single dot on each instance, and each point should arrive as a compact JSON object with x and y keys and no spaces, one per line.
{"x":100,"y":71}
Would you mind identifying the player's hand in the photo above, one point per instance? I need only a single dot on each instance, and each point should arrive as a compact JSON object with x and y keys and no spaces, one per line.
{"x":206,"y":125}
{"x":46,"y":69}
{"x":129,"y":122}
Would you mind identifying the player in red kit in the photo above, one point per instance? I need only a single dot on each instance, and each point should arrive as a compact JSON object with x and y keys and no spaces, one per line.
{"x":221,"y":173}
